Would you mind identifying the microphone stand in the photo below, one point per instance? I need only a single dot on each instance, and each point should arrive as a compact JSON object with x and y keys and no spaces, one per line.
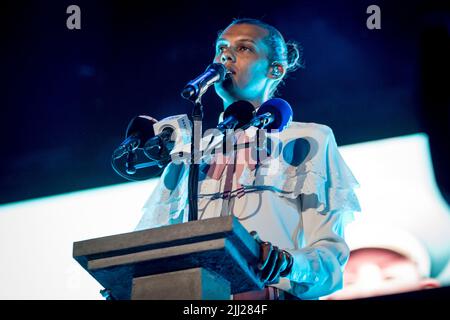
{"x":204,"y":81}
{"x":197,"y":118}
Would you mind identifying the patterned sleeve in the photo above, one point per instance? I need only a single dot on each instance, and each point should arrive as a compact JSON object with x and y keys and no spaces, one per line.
{"x":327,"y":202}
{"x":318,"y":265}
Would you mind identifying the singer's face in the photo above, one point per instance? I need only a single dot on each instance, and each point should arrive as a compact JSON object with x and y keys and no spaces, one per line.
{"x":242,"y":49}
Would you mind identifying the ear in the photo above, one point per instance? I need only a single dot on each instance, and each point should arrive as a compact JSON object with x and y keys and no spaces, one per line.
{"x":276,"y":71}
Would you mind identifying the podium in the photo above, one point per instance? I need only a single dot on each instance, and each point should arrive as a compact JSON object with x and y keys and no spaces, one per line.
{"x":197,"y":260}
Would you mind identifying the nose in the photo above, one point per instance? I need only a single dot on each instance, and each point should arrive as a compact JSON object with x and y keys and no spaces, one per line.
{"x":226,"y":56}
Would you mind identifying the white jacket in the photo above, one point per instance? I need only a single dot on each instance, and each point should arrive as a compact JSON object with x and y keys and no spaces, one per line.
{"x":299,"y":198}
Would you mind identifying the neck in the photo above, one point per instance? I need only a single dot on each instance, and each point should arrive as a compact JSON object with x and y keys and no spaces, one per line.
{"x":257,"y":102}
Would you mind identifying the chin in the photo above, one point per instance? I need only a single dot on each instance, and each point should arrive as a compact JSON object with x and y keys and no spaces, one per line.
{"x":225,"y":90}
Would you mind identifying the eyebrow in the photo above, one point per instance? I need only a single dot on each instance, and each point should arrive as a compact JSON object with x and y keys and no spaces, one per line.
{"x":238,"y":40}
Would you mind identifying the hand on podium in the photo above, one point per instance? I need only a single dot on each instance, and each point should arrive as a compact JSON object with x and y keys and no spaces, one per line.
{"x":273,"y":262}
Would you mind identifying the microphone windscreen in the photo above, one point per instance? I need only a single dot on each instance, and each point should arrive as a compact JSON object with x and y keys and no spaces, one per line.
{"x":220,"y":68}
{"x":243,"y":111}
{"x":280,"y":109}
{"x":141,"y":127}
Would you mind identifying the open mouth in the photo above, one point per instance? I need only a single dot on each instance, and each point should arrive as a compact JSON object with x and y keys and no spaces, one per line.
{"x":230,"y":74}
{"x":230,"y":71}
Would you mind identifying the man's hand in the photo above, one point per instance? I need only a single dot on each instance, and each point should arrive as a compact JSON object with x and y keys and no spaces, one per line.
{"x":273,"y":262}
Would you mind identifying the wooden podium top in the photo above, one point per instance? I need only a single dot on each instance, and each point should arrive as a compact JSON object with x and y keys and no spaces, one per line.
{"x":221,"y":245}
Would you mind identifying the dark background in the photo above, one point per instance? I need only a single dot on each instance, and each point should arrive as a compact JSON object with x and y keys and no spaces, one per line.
{"x":68,"y":95}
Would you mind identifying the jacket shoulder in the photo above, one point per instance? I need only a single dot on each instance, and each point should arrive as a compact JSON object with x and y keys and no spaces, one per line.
{"x":310,"y":125}
{"x":305,"y":129}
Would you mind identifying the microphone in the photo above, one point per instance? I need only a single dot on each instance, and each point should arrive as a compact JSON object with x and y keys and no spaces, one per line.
{"x":237,"y":115}
{"x":168,"y":132}
{"x":215,"y":72}
{"x":139,"y":130}
{"x":135,"y":165}
{"x":274,"y":114}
